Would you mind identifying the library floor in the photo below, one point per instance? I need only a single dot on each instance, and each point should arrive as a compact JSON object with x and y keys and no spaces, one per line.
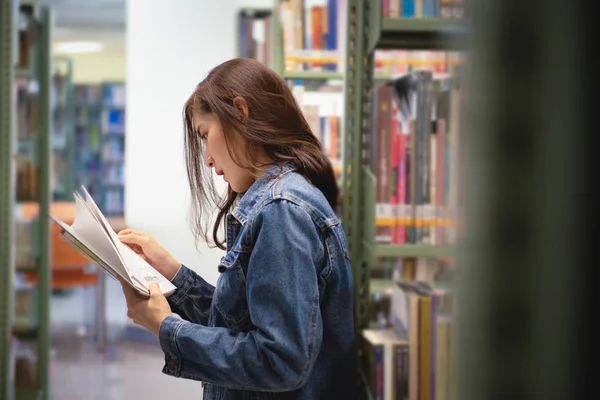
{"x":126,"y":369}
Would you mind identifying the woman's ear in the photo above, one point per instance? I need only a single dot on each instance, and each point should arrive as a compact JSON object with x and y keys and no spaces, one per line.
{"x":240,"y":104}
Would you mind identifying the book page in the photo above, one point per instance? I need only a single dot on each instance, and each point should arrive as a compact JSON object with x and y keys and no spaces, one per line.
{"x":138,"y":268}
{"x":131,"y":272}
{"x":86,"y":229}
{"x":88,"y":253}
{"x":69,"y":236}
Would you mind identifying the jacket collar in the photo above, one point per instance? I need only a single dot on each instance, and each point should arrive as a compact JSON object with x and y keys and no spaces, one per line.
{"x":257,"y":191}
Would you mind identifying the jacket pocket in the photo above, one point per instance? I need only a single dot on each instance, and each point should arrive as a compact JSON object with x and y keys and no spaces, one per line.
{"x":229,"y":298}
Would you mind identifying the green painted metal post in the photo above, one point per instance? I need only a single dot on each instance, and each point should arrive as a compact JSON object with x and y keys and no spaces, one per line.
{"x":356,"y":179}
{"x":352,"y":204}
{"x":7,"y":194}
{"x":45,"y":193}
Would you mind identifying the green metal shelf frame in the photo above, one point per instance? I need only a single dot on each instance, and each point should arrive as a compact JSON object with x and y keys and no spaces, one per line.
{"x":7,"y":194}
{"x":358,"y":186}
{"x":40,"y":71}
{"x":45,"y":191}
{"x":69,"y":150}
{"x":414,"y":250}
{"x":323,"y":75}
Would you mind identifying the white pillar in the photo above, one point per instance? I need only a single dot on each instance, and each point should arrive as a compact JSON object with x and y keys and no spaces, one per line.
{"x":171,"y":46}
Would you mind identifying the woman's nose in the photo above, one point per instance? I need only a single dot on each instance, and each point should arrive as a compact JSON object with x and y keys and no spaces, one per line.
{"x":209,"y":161}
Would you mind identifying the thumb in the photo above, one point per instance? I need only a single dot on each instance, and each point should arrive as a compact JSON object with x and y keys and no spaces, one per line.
{"x":154,"y":290}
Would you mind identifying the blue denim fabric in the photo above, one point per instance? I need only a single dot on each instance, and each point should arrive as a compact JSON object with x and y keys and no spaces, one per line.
{"x":279,"y":324}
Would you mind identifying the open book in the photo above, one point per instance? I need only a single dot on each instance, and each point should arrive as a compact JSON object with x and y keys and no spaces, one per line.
{"x":93,"y":237}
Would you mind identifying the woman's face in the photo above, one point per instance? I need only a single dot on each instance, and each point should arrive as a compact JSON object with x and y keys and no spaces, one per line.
{"x":217,"y":155}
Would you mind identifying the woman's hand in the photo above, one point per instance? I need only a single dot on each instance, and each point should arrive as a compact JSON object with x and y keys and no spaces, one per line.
{"x":147,"y":247}
{"x":149,"y":312}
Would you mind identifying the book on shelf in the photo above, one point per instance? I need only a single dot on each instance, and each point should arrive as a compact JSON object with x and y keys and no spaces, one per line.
{"x":313,"y":34}
{"x":415,"y":155}
{"x":411,"y":357}
{"x":254,"y":31}
{"x":93,"y":237}
{"x":386,"y":363}
{"x":88,"y":139}
{"x":322,"y":109}
{"x":113,"y":128}
{"x":445,"y":9}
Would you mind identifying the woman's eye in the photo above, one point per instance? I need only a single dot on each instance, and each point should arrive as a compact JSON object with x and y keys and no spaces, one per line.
{"x":203,"y":136}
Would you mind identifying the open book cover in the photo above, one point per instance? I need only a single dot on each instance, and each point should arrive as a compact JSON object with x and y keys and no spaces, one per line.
{"x":93,"y":237}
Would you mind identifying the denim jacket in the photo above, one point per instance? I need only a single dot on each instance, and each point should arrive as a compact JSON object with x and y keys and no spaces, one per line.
{"x":279,"y":323}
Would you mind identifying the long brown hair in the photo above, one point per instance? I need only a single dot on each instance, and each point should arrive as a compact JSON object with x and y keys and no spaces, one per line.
{"x":274,"y":124}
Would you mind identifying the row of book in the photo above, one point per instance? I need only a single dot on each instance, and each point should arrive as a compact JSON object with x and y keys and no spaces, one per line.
{"x":314,"y":34}
{"x":412,"y":357}
{"x":27,"y":112}
{"x":24,"y":359}
{"x":24,"y":234}
{"x":27,"y":174}
{"x":27,"y":108}
{"x":322,"y":110}
{"x":87,"y":162}
{"x":395,"y":63}
{"x":100,"y":144}
{"x":87,"y":94}
{"x":113,"y":95}
{"x":255,"y":31}
{"x":415,"y":155}
{"x":113,"y":149}
{"x":62,"y":135}
{"x":113,"y":120}
{"x":444,"y":9}
{"x":411,"y":353}
{"x":113,"y":200}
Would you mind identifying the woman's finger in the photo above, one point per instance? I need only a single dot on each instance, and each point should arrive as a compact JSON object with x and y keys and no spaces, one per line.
{"x":129,"y":292}
{"x":132,"y":238}
{"x":129,"y":231}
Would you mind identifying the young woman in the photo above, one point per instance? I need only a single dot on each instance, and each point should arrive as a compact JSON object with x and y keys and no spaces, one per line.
{"x":279,"y":324}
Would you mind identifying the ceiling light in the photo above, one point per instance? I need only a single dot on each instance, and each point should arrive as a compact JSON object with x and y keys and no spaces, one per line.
{"x":78,"y":47}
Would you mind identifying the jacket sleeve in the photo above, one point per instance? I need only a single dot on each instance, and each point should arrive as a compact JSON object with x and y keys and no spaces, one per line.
{"x":283,"y":299}
{"x":193,"y":297}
